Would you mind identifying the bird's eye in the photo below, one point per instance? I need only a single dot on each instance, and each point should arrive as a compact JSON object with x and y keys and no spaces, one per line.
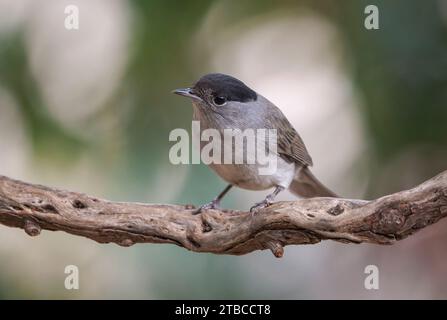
{"x":219,"y":101}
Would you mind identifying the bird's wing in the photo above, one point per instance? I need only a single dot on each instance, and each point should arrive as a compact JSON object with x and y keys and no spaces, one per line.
{"x":290,"y":145}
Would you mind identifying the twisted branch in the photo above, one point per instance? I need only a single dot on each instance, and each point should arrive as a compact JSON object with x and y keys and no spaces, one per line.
{"x":382,"y":221}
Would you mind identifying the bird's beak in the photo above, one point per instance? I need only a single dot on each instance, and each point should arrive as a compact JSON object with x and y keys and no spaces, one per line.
{"x":187,"y":92}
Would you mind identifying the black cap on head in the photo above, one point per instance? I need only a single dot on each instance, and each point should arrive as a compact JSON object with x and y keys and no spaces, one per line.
{"x":226,"y":86}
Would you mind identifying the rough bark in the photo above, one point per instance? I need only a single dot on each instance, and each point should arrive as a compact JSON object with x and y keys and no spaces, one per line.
{"x":382,"y":221}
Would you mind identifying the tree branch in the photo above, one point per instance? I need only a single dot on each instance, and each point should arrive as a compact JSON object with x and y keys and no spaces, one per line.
{"x":382,"y":221}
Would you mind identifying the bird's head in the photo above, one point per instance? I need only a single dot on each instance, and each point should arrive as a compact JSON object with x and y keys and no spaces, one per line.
{"x":216,"y":91}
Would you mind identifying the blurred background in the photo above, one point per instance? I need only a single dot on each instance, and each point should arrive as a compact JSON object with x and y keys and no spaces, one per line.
{"x":91,"y":110}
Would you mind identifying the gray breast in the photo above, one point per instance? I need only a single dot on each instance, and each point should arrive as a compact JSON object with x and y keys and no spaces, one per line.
{"x":244,"y":175}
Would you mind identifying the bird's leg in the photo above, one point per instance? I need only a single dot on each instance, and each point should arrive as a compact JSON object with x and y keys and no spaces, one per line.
{"x":213,"y":204}
{"x":267,"y":201}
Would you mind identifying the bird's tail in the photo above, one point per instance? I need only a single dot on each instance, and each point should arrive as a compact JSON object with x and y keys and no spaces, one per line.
{"x":306,"y":185}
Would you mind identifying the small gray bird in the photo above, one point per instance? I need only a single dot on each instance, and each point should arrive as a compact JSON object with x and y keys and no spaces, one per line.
{"x":224,"y":102}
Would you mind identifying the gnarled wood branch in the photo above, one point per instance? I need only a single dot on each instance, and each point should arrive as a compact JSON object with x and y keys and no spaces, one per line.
{"x":382,"y":221}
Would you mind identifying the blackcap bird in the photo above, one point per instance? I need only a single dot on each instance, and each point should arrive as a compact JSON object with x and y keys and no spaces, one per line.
{"x":224,"y":102}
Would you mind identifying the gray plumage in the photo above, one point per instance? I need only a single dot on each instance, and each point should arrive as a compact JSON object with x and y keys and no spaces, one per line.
{"x":224,"y":102}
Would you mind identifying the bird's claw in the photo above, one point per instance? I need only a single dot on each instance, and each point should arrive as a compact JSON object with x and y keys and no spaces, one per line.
{"x":214,"y":204}
{"x":260,"y":205}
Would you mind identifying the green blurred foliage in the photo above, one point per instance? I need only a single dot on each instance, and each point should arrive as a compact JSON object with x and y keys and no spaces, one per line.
{"x":400,"y":72}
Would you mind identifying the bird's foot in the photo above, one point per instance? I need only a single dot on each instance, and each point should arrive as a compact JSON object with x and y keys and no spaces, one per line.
{"x":214,"y":204}
{"x":261,"y":205}
{"x":267,"y":201}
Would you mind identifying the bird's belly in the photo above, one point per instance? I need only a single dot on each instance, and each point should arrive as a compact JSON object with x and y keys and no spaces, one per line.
{"x":247,"y":176}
